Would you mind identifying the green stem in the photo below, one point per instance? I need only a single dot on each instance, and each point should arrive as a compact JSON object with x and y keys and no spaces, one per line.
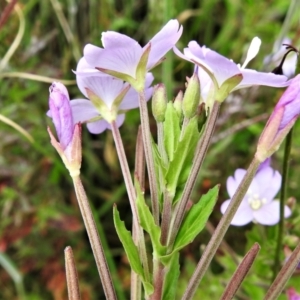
{"x":96,"y":245}
{"x":189,"y":186}
{"x":284,"y":183}
{"x":220,"y":231}
{"x":149,"y":155}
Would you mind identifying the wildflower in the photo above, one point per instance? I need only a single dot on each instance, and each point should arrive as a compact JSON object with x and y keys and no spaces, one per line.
{"x":109,"y":98}
{"x":123,"y":57}
{"x":281,"y":121}
{"x":225,"y":75}
{"x":258,"y":204}
{"x":68,"y":132}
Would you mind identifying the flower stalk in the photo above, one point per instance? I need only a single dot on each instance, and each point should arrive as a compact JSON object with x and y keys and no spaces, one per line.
{"x":220,"y":231}
{"x":284,"y":182}
{"x":94,"y":238}
{"x":146,"y":133}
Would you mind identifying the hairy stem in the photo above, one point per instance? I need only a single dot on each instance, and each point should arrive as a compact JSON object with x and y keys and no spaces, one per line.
{"x":95,"y":241}
{"x":284,"y":183}
{"x":220,"y":231}
{"x":149,"y":155}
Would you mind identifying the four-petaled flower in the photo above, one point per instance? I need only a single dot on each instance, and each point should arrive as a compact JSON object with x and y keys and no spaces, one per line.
{"x":110,"y":98}
{"x":222,"y":75}
{"x":124,"y":58}
{"x":258,"y":204}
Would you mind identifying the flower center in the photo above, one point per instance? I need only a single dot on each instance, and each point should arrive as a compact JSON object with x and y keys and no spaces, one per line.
{"x":255,"y":201}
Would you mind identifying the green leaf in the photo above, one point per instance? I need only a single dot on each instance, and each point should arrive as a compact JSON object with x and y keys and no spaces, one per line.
{"x":128,"y":244}
{"x":180,"y":166}
{"x":172,"y":273}
{"x":171,"y":130}
{"x":195,"y":219}
{"x":148,"y":223}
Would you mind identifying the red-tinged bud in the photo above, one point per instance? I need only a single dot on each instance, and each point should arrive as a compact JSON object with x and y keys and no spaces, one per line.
{"x":281,"y":121}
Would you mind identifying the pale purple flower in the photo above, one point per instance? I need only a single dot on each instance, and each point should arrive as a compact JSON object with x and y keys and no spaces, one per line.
{"x":258,"y":204}
{"x":107,"y":88}
{"x":223,"y":71}
{"x":122,"y":54}
{"x":61,"y":113}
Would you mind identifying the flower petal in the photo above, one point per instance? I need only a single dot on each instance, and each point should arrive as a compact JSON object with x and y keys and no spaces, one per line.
{"x":106,"y":87}
{"x":113,"y":39}
{"x":252,"y":51}
{"x":269,"y":182}
{"x":163,"y":41}
{"x":252,"y":77}
{"x":122,"y":59}
{"x":233,"y":182}
{"x":85,"y":70}
{"x":97,"y":127}
{"x":243,"y":216}
{"x":268,"y":214}
{"x":221,"y":67}
{"x":83,"y":110}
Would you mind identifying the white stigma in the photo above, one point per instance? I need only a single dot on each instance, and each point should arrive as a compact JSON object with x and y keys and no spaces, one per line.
{"x":255,"y":201}
{"x":252,"y":51}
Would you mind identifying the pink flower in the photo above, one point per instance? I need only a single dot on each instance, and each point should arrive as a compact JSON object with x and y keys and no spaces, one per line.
{"x":258,"y":204}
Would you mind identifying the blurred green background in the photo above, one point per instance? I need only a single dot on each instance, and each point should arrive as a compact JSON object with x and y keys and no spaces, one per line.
{"x":41,"y":41}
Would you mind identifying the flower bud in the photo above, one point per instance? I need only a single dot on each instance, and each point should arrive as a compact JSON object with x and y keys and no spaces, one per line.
{"x":61,"y":113}
{"x":191,"y":98}
{"x":68,"y":145}
{"x":159,"y":102}
{"x":178,"y":104}
{"x":281,"y":121}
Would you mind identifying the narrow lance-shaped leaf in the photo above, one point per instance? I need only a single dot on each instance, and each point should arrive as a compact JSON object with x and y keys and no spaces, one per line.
{"x":171,"y":130}
{"x":171,"y":279}
{"x":131,"y":251}
{"x":128,"y":244}
{"x":180,"y":166}
{"x":195,"y":219}
{"x":148,"y":223}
